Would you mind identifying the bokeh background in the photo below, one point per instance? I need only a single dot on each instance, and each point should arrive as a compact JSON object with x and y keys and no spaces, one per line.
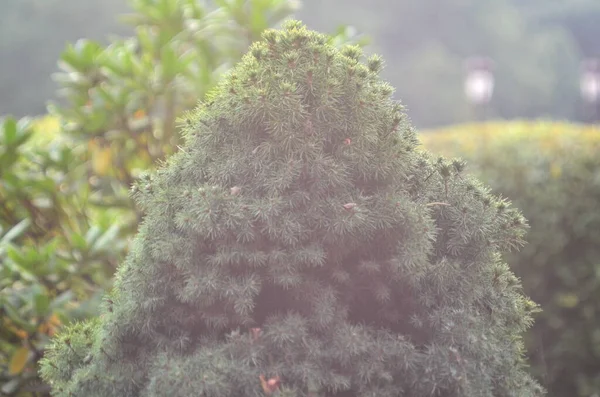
{"x":92,"y":94}
{"x":538,"y":47}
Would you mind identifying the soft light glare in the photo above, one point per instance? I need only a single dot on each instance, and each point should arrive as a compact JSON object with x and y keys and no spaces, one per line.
{"x":590,"y":81}
{"x":590,"y":87}
{"x":479,"y":80}
{"x":479,"y":86}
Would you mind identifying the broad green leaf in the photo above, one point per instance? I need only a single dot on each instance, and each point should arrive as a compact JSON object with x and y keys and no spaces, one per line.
{"x":61,"y":300}
{"x":43,"y":202}
{"x":19,"y":262}
{"x":15,"y":231}
{"x":258,"y":20}
{"x":79,"y":242}
{"x":167,"y":8}
{"x":92,"y":235}
{"x":169,"y":62}
{"x":107,"y":238}
{"x":96,"y":123}
{"x":12,"y":183}
{"x":41,"y":301}
{"x":70,"y":57}
{"x":10,"y":131}
{"x":15,"y":317}
{"x":102,"y":160}
{"x":88,"y":50}
{"x":10,"y":387}
{"x":105,"y":95}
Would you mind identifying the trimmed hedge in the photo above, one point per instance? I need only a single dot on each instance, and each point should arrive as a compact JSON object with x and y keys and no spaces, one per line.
{"x":552,"y":172}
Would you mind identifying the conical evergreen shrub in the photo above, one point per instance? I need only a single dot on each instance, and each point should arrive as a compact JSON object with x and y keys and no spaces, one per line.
{"x":300,"y":245}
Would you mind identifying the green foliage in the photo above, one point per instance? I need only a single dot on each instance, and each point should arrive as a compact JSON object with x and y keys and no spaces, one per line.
{"x":55,"y":251}
{"x":123,"y":100}
{"x":300,"y":245}
{"x":66,"y":214}
{"x":552,"y":172}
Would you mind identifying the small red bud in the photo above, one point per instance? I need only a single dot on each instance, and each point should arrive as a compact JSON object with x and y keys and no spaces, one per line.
{"x":347,"y":141}
{"x":349,"y":206}
{"x":255,"y":333}
{"x":271,"y":385}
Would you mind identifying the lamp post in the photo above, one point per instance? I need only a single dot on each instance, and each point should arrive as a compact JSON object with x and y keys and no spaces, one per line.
{"x":589,"y":85}
{"x":479,"y":84}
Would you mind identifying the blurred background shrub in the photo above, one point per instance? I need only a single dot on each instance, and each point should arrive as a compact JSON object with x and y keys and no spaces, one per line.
{"x":537,"y":47}
{"x":56,"y":251}
{"x":551,"y":171}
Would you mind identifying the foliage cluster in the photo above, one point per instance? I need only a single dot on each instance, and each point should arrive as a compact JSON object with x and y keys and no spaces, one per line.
{"x":55,"y":249}
{"x":300,"y":245}
{"x":552,"y":172}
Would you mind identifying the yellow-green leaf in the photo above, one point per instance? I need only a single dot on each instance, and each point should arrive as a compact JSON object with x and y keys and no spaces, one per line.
{"x":102,"y":160}
{"x":568,"y":301}
{"x":18,"y":360}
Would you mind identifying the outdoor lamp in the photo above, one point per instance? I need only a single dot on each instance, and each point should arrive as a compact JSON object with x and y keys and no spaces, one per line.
{"x":479,"y":81}
{"x":590,"y":81}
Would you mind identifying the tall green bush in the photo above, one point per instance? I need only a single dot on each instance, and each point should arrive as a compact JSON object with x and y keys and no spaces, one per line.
{"x":299,"y":245}
{"x":552,"y":172}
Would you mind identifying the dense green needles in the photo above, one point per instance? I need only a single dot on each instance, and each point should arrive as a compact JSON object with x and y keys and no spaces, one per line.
{"x":300,"y":244}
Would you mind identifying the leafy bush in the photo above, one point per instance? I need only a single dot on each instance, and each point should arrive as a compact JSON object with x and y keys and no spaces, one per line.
{"x":123,"y":100}
{"x":298,"y":245}
{"x":552,"y":172}
{"x":55,"y":251}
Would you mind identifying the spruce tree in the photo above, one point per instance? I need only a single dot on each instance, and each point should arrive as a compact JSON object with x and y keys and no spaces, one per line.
{"x":301,"y":244}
